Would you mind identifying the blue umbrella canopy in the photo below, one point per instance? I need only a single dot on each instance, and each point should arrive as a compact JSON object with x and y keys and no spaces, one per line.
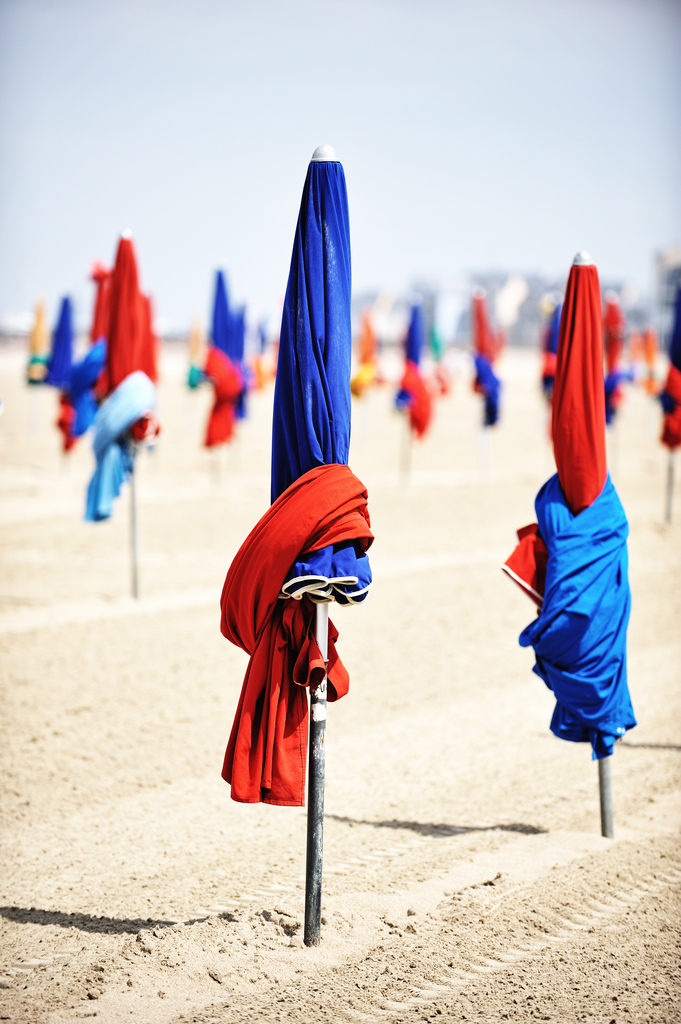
{"x":415,"y":335}
{"x":220,"y":326}
{"x":311,"y":419}
{"x":61,"y":356}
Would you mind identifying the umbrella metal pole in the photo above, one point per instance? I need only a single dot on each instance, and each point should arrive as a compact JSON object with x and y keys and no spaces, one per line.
{"x":315,"y":795}
{"x":670,"y":487}
{"x":406,"y":450}
{"x":133,"y":532}
{"x":605,"y":790}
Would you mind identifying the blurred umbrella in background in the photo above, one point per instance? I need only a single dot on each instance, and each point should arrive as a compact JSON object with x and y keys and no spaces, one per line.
{"x":310,"y":547}
{"x":670,"y":397}
{"x":552,"y":306}
{"x":228,"y":384}
{"x":132,"y":343}
{"x":413,"y":397}
{"x":78,"y":405}
{"x":367,"y":357}
{"x":61,"y":354}
{"x":219,"y":327}
{"x":101,"y":314}
{"x":614,"y":329}
{"x":650,"y":350}
{"x":486,"y":383}
{"x":38,"y":347}
{"x":127,"y":418}
{"x":573,"y":562}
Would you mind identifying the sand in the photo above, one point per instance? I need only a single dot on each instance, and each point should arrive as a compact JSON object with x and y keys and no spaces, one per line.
{"x":465,"y":877}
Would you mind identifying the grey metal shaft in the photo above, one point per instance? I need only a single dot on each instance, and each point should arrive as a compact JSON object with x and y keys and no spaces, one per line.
{"x":133,"y":533}
{"x":315,"y":793}
{"x":405,"y":459}
{"x":605,"y":789}
{"x":670,"y":487}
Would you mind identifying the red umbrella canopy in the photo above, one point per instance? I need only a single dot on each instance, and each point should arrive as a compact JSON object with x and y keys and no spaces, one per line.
{"x":613,"y":331}
{"x":131,"y":341}
{"x":484,"y":339}
{"x":578,"y":411}
{"x":100,"y":317}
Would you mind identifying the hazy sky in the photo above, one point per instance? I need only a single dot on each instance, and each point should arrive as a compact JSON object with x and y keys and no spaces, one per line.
{"x":475,"y":134}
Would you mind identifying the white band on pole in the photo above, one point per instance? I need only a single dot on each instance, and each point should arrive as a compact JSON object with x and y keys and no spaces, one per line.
{"x":322,"y":629}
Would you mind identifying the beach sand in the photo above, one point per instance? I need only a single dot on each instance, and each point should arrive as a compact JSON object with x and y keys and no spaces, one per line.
{"x":465,"y":877}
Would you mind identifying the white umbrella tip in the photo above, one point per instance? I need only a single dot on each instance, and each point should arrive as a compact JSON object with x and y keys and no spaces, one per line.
{"x":582,"y":259}
{"x":126,"y":233}
{"x":324,"y":154}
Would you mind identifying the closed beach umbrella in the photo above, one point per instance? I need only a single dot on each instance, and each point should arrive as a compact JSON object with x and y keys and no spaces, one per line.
{"x":414,"y":396}
{"x":219,"y":327}
{"x":575,"y":557}
{"x":670,"y":398}
{"x":131,"y":341}
{"x":38,"y":347}
{"x":310,"y":546}
{"x":550,"y":348}
{"x":485,"y":349}
{"x":227,"y":386}
{"x":102,"y":310}
{"x":61,"y":355}
{"x":78,"y":402}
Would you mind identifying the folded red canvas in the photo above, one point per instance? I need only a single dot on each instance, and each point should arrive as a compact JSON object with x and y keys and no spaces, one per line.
{"x":267,"y":750}
{"x":527,"y":564}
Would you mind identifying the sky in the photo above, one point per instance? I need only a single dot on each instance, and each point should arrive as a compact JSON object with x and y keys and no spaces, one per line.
{"x":474,"y":134}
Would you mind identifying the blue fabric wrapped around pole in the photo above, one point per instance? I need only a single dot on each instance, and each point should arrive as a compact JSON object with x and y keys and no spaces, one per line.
{"x":554,"y":329}
{"x":312,"y":406}
{"x":487,"y":382}
{"x":415,"y":335}
{"x":579,"y":636}
{"x":237,"y":344}
{"x":115,"y":453}
{"x":311,"y":419}
{"x":84,"y":376}
{"x":61,"y":355}
{"x":219,"y":331}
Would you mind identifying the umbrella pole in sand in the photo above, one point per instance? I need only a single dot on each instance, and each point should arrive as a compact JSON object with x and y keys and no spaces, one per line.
{"x":405,"y":456}
{"x":133,"y":532}
{"x":605,"y":790}
{"x":315,"y":797}
{"x":670,"y":487}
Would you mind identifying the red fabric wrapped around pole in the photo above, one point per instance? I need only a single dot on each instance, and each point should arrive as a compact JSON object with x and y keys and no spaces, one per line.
{"x":131,"y":341}
{"x":227,"y":381}
{"x":578,"y":410}
{"x":266,"y":754}
{"x":102,"y":312}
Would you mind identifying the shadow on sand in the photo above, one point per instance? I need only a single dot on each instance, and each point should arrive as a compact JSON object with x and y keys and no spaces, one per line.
{"x":84,"y":922}
{"x":438,"y":830}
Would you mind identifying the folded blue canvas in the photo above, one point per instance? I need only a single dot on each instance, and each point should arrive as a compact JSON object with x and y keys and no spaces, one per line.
{"x":84,"y":376}
{"x":339,"y":572}
{"x":489,"y":384}
{"x":579,"y":636}
{"x":114,"y":452}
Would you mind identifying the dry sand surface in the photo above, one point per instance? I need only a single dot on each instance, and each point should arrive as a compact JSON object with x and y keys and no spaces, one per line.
{"x":465,"y":875}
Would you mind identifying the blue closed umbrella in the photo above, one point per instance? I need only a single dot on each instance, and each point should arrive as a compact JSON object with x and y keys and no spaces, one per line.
{"x":219,"y":332}
{"x":61,"y":356}
{"x":311,"y":428}
{"x":312,"y":406}
{"x":415,"y":335}
{"x":311,"y":420}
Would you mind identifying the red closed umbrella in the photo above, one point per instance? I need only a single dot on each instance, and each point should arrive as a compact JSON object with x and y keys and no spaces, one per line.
{"x":578,"y":411}
{"x":102,"y":311}
{"x":131,"y":340}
